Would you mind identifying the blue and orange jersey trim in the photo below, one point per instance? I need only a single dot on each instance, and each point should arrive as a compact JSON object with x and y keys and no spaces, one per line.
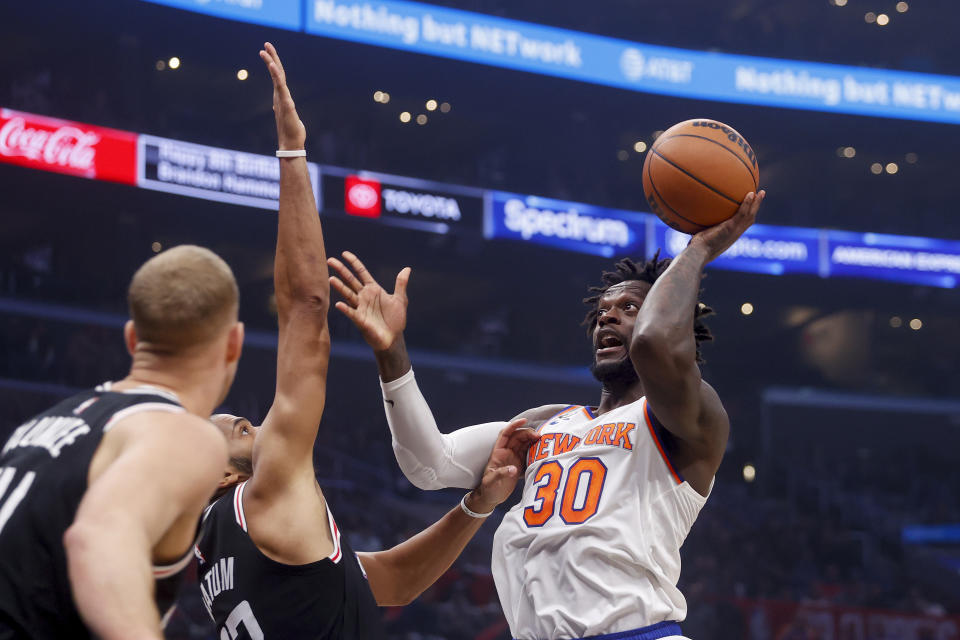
{"x":651,"y":421}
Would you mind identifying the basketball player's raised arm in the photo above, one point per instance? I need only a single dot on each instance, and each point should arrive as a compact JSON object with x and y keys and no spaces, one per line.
{"x":166,"y":470}
{"x":285,"y":445}
{"x":398,"y":575}
{"x":428,"y":458}
{"x":663,"y":348}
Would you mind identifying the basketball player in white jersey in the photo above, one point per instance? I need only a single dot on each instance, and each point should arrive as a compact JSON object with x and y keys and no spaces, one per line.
{"x":611,"y":491}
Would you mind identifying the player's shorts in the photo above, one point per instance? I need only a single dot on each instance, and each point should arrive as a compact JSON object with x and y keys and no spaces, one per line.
{"x":668,"y":630}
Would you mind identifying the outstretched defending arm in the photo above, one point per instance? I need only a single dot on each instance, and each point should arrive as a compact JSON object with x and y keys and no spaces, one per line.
{"x":663,"y":348}
{"x":400,"y":574}
{"x":284,"y":448}
{"x":428,"y":458}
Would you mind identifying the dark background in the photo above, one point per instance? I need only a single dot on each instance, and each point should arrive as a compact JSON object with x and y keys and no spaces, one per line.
{"x":850,"y":422}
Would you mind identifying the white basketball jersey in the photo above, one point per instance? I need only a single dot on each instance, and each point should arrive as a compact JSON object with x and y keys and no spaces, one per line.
{"x":593,"y":547}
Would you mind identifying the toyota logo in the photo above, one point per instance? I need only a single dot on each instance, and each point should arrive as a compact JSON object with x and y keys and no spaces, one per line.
{"x":362,"y":196}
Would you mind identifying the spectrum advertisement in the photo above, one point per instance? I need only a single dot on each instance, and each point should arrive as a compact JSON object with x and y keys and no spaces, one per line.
{"x":512,"y":44}
{"x":572,"y":226}
{"x":762,"y":249}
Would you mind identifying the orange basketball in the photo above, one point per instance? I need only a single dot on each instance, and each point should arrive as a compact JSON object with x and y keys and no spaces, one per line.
{"x":697,"y":173}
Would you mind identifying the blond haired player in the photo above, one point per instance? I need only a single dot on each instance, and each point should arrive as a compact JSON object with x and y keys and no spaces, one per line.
{"x":100,"y":495}
{"x":611,"y":491}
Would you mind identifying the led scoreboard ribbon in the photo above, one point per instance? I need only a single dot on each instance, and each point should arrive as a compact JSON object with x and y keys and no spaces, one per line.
{"x":512,"y":44}
{"x":224,"y":175}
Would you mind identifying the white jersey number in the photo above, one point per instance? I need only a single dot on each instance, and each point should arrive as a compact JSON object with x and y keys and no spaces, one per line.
{"x":9,"y":503}
{"x":576,"y":506}
{"x":242,"y":614}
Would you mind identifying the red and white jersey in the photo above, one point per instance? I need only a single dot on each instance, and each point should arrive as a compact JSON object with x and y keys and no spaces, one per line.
{"x":593,"y":547}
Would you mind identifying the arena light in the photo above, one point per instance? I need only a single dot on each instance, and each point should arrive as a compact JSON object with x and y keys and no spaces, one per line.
{"x":876,"y":168}
{"x":749,"y":473}
{"x":870,"y":17}
{"x":157,"y":247}
{"x":174,"y":62}
{"x":161,"y":65}
{"x":445,"y":107}
{"x":911,"y":158}
{"x":746,"y":308}
{"x":849,"y":152}
{"x":639,"y":146}
{"x":405,"y":116}
{"x":916,"y":324}
{"x":840,"y":3}
{"x":896,"y":322}
{"x":622,"y":155}
{"x":892,"y":168}
{"x":242,"y":74}
{"x":902,"y":7}
{"x":431,"y":105}
{"x":381,"y":96}
{"x":421,"y":119}
{"x":883,"y":19}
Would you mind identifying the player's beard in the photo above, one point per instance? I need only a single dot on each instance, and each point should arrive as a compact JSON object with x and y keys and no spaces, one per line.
{"x":619,"y":373}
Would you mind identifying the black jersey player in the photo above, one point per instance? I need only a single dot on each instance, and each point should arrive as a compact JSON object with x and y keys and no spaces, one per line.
{"x":273,"y":563}
{"x":100,"y":495}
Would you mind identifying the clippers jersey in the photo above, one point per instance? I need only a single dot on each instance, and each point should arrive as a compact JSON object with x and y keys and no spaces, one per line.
{"x":252,"y":597}
{"x":593,"y":547}
{"x":43,"y":477}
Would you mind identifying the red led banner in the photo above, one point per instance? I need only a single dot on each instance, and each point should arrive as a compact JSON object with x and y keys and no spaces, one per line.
{"x":77,"y":149}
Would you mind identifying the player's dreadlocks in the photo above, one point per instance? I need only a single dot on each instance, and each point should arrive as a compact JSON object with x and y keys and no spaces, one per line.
{"x":626,"y":269}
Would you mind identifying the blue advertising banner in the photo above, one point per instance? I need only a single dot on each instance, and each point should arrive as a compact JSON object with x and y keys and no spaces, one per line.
{"x":572,"y":226}
{"x":500,"y":42}
{"x":762,"y":249}
{"x":886,"y":257}
{"x":285,"y":14}
{"x":930,"y":534}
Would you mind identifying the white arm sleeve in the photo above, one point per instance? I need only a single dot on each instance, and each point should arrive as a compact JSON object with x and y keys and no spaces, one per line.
{"x":430,"y":459}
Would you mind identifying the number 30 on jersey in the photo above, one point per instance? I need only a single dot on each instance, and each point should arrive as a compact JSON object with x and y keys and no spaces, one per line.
{"x":577,"y":505}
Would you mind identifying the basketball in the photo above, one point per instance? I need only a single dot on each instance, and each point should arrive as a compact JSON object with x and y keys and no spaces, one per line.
{"x":697,"y":173}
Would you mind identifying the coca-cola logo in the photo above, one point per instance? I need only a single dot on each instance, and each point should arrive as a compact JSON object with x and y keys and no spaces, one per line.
{"x":66,"y":146}
{"x":362,"y":197}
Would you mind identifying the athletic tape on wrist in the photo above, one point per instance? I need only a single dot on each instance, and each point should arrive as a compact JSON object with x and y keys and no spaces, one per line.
{"x":291,"y":153}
